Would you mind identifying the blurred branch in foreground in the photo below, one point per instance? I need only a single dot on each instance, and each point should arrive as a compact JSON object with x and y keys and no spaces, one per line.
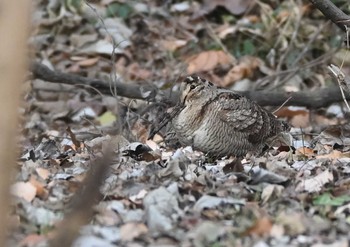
{"x":14,"y":29}
{"x":83,"y":202}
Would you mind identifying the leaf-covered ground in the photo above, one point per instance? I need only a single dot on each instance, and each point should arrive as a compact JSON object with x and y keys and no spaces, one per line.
{"x":291,"y":196}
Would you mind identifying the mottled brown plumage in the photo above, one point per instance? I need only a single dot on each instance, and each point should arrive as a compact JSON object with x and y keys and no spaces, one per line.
{"x":220,"y":122}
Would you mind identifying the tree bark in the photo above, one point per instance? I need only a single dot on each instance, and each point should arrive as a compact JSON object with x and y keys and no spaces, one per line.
{"x":42,"y":72}
{"x":311,"y":99}
{"x":333,"y":13}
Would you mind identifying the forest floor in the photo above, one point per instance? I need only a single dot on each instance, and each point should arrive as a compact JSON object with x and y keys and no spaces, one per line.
{"x":151,"y":194}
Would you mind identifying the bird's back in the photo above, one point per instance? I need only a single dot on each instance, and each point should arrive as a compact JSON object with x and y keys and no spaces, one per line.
{"x":221,"y":122}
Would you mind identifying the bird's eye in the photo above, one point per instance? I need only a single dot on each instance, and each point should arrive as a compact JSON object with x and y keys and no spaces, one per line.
{"x":192,"y":87}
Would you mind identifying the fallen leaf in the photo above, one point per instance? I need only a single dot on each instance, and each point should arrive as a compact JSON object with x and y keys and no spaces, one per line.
{"x":79,"y":40}
{"x":292,"y":222}
{"x":107,"y":118}
{"x":140,"y":130}
{"x":207,"y":201}
{"x":236,"y":7}
{"x":132,"y":230}
{"x":262,"y":227}
{"x":341,"y":211}
{"x":291,"y":111}
{"x":161,"y":208}
{"x":337,"y":243}
{"x":260,"y":175}
{"x":173,"y":45}
{"x":103,"y":47}
{"x":135,"y":72}
{"x":180,"y":7}
{"x":92,"y":241}
{"x":206,"y":233}
{"x":32,"y":240}
{"x":25,"y":190}
{"x":139,"y":196}
{"x":41,"y":191}
{"x":271,"y":191}
{"x":88,"y":62}
{"x":336,"y":134}
{"x":315,"y":184}
{"x":206,"y":61}
{"x":173,"y":169}
{"x":329,"y":199}
{"x":244,"y":69}
{"x":335,"y":154}
{"x":308,"y":152}
{"x":43,"y":173}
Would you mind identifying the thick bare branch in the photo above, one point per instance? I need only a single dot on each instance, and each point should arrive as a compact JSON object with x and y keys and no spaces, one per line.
{"x":311,"y":99}
{"x":42,"y":72}
{"x":333,"y":13}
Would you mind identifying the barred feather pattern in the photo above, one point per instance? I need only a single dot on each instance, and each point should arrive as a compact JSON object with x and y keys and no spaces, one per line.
{"x":220,"y":122}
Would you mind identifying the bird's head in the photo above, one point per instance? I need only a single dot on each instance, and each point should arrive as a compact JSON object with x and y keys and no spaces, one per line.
{"x":193,"y":88}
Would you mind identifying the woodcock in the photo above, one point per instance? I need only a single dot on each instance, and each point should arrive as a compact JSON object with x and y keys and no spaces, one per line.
{"x":220,"y":122}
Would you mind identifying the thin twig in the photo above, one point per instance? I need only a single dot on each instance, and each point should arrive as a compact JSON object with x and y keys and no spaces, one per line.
{"x":289,"y":47}
{"x":299,"y":57}
{"x":285,"y":102}
{"x":341,"y":79}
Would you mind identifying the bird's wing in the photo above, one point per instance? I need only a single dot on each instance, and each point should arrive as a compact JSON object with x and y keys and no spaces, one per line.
{"x":241,"y":114}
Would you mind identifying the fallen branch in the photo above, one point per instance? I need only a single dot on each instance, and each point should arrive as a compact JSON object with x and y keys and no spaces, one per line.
{"x":311,"y":99}
{"x":42,"y":72}
{"x":333,"y":13}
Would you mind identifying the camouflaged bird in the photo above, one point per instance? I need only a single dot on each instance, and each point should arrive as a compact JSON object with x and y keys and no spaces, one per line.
{"x":220,"y":122}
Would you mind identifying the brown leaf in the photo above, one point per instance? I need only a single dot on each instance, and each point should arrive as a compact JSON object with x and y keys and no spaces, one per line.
{"x":88,"y":62}
{"x":41,"y":191}
{"x":135,"y":72}
{"x":25,"y":190}
{"x":43,"y":173}
{"x":289,"y":112}
{"x":335,"y":154}
{"x":206,"y":61}
{"x":300,"y":121}
{"x":308,"y":152}
{"x":132,"y":230}
{"x":172,"y":45}
{"x":32,"y":240}
{"x":262,"y":227}
{"x":244,"y":69}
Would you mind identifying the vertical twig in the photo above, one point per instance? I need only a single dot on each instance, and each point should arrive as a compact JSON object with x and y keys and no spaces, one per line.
{"x":113,"y":75}
{"x":342,"y":80}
